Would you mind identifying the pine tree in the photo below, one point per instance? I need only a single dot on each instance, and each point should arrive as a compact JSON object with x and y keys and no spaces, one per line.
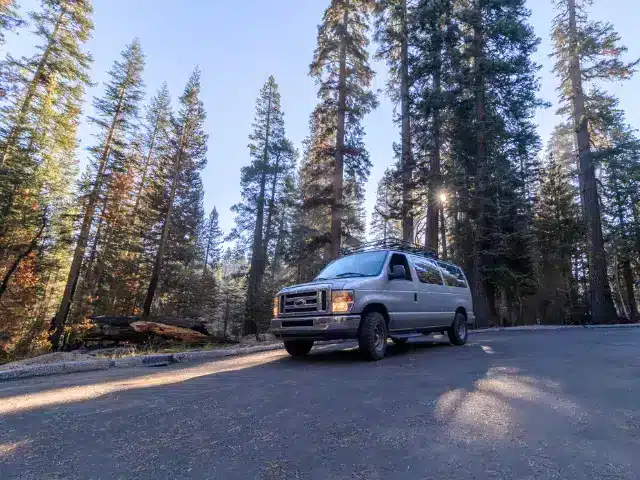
{"x":392,"y":34}
{"x":213,"y":239}
{"x":558,"y":231}
{"x":342,"y":72}
{"x":157,"y":122}
{"x":153,"y":144}
{"x":495,"y":85}
{"x":116,"y":112}
{"x":179,"y":187}
{"x":63,"y":25}
{"x":37,"y":148}
{"x":586,"y":52}
{"x":433,"y":60}
{"x":618,"y":151}
{"x":272,"y":155}
{"x":384,"y":219}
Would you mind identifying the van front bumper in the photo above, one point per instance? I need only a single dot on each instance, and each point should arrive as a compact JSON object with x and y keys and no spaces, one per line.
{"x":326,"y":327}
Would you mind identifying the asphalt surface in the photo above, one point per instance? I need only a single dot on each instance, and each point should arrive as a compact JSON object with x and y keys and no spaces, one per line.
{"x":515,"y":405}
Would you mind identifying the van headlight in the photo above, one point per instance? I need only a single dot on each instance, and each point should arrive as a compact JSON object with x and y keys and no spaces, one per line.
{"x":276,"y":307}
{"x":342,"y":301}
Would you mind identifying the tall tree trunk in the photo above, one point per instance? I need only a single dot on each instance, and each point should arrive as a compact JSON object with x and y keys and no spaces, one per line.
{"x":272,"y":202}
{"x":157,"y":265}
{"x":435,"y":179}
{"x":338,"y":174}
{"x":227,"y":313}
{"x":636,"y":224}
{"x":482,"y":303}
{"x":206,"y":255}
{"x":602,"y":308}
{"x":145,"y":170}
{"x":276,"y":255}
{"x":407,"y":157}
{"x":85,"y":229}
{"x":632,"y":305}
{"x":256,"y":270}
{"x":250,"y":325}
{"x":18,"y":126}
{"x":619,"y":289}
{"x":443,"y":234}
{"x":98,"y":236}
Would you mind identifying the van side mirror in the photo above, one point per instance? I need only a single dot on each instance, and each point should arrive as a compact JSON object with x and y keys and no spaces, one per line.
{"x":398,"y":273}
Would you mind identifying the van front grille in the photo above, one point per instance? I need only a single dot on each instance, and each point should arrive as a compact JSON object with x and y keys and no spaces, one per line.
{"x":301,"y":303}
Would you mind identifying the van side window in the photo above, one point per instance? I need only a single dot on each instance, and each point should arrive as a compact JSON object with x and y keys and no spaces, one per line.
{"x":453,"y":276}
{"x":428,"y":273}
{"x":399,"y":259}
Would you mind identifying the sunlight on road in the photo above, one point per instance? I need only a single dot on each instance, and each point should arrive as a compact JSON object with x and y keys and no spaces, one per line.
{"x":488,"y":410}
{"x":7,"y":449}
{"x":80,"y":393}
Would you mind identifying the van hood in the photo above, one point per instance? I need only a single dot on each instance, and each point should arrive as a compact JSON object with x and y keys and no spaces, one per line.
{"x":336,"y":284}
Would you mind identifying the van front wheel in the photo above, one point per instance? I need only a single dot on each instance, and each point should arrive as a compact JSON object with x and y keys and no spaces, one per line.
{"x":372,"y":338}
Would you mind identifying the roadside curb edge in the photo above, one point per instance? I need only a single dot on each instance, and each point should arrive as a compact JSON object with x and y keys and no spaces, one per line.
{"x":544,"y":328}
{"x":128,"y":362}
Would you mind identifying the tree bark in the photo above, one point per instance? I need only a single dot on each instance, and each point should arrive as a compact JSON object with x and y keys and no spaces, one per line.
{"x":169,"y":331}
{"x":256,"y":270}
{"x":227,"y":313}
{"x":407,"y":157}
{"x":443,"y":234}
{"x":632,"y":305}
{"x":78,"y":254}
{"x":157,"y":265}
{"x":276,"y":254}
{"x":480,"y":290}
{"x":272,"y":202}
{"x":435,"y":180}
{"x":18,"y":126}
{"x":602,"y":307}
{"x":338,"y":174}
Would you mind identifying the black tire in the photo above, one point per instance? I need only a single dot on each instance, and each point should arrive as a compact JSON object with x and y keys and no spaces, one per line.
{"x":372,"y":338}
{"x":298,"y":348}
{"x":458,"y":331}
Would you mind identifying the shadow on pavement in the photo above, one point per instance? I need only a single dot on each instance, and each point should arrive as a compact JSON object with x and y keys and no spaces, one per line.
{"x":535,"y":406}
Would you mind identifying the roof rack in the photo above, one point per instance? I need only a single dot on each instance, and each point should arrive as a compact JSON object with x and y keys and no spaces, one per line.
{"x":390,"y":244}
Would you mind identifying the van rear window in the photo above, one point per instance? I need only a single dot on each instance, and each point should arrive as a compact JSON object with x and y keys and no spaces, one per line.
{"x":453,"y":276}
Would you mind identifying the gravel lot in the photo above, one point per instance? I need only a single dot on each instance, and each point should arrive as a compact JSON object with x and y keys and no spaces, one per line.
{"x":521,"y":405}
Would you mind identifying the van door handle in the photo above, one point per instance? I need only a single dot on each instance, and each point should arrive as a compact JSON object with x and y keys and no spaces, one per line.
{"x":415,"y":297}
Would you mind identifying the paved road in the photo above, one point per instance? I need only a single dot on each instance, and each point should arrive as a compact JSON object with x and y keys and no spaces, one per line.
{"x":517,"y":405}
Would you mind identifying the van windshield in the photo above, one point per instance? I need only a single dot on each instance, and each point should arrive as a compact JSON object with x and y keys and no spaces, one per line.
{"x":368,"y":264}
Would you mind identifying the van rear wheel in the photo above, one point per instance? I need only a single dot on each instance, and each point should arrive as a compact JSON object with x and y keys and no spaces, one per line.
{"x":298,"y":348}
{"x":458,"y":332}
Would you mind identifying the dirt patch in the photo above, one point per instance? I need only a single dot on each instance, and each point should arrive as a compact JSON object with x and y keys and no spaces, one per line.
{"x":55,"y":357}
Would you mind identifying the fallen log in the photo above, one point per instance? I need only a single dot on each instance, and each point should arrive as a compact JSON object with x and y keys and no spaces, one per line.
{"x":169,"y":331}
{"x":199,"y":325}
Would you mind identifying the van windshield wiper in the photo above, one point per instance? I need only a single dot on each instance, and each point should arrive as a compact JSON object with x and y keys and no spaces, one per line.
{"x":350,"y":274}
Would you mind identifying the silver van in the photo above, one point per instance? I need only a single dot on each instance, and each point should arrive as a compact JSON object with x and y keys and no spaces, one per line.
{"x":376,"y":291}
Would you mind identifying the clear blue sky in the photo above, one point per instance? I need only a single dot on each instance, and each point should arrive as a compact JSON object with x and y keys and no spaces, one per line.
{"x":238,"y":44}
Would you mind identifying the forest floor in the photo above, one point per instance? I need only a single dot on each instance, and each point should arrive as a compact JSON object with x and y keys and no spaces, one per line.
{"x":133,"y":351}
{"x":521,"y":404}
